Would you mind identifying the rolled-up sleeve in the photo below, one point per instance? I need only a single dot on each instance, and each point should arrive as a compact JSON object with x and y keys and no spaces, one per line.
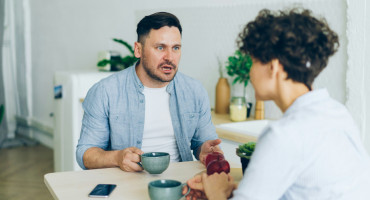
{"x":95,"y":122}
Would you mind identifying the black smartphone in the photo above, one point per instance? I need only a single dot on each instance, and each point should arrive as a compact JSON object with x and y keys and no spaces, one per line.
{"x":102,"y":190}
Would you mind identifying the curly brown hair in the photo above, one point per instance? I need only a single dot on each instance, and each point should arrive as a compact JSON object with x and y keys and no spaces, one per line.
{"x":300,"y":42}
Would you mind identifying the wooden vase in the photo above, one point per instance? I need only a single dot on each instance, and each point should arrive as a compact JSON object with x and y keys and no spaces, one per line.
{"x":260,"y":110}
{"x":222,"y":96}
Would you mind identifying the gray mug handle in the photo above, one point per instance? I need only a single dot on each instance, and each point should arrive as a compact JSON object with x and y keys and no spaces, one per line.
{"x":139,"y":163}
{"x":185,"y":184}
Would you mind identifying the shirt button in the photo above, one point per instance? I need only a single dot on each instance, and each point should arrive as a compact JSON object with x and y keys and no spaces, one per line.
{"x":138,"y":142}
{"x":192,"y":115}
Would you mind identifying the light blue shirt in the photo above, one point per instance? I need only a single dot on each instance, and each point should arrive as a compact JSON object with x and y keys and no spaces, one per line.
{"x":114,"y":114}
{"x":313,"y":152}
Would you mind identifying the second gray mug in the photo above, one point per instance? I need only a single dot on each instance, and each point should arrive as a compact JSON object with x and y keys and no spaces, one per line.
{"x":166,"y":189}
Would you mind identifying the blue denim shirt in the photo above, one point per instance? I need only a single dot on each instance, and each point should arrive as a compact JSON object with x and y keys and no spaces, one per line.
{"x":115,"y":112}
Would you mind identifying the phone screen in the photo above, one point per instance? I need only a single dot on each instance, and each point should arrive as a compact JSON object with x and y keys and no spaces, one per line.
{"x":102,"y":190}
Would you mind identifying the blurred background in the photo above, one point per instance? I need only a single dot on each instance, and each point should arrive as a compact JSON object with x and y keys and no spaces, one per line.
{"x":43,"y":42}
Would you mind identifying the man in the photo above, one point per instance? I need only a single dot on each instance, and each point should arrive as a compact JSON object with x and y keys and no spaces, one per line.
{"x":147,"y":107}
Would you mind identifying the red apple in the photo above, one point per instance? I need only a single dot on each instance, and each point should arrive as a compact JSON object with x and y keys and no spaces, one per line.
{"x":214,"y":156}
{"x":218,"y":166}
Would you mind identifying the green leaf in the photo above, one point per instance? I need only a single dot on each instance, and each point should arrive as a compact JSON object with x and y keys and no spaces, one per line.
{"x":239,"y":65}
{"x":127,"y":45}
{"x":128,"y":61}
{"x":247,"y":149}
{"x":120,"y":63}
{"x":236,"y":80}
{"x":103,"y":63}
{"x":245,"y":83}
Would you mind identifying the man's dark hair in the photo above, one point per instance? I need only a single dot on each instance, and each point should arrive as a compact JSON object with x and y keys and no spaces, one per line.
{"x":156,"y":21}
{"x":300,"y":42}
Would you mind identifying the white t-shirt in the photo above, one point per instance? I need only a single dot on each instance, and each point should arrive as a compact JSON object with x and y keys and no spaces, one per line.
{"x":313,"y":152}
{"x":158,"y":130}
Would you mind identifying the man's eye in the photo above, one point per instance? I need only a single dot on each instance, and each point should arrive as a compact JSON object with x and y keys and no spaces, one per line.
{"x":160,"y":48}
{"x":176,"y":48}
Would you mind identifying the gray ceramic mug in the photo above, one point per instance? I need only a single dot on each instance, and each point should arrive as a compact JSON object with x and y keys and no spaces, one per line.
{"x":155,"y":162}
{"x":166,"y":189}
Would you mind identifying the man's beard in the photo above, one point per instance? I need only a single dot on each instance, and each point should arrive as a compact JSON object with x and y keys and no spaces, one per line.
{"x":151,"y":71}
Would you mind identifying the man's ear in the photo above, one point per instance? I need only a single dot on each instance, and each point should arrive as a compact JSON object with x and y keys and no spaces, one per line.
{"x":138,"y":49}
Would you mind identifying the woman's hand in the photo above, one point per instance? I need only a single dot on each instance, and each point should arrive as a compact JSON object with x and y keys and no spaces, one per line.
{"x":214,"y":187}
{"x":218,"y":186}
{"x":197,"y":191}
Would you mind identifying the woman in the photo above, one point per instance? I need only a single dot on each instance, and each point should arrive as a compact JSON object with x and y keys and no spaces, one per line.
{"x":314,"y":151}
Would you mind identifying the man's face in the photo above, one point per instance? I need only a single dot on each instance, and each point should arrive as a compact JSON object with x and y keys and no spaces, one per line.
{"x":159,"y":56}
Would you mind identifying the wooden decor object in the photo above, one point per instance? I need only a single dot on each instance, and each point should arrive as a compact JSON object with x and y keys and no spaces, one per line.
{"x":222,"y":96}
{"x":260,"y":110}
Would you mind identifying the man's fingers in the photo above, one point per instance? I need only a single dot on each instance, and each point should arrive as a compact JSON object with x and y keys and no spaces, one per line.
{"x":214,"y":142}
{"x":136,"y":150}
{"x":130,"y":162}
{"x":134,"y":167}
{"x":134,"y":157}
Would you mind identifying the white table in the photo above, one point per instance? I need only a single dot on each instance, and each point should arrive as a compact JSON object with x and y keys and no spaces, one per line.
{"x":130,"y":185}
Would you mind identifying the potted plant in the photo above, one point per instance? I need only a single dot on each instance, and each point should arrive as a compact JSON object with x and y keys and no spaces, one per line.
{"x":116,"y":62}
{"x":245,"y":152}
{"x":238,"y":66}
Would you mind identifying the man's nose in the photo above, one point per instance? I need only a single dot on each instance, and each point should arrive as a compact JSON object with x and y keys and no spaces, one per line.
{"x":168,"y":55}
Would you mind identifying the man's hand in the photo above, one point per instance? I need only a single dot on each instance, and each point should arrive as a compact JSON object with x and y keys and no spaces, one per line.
{"x":209,"y":146}
{"x":128,"y":158}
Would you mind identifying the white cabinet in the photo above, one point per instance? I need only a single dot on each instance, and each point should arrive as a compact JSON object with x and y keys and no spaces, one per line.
{"x":74,"y":86}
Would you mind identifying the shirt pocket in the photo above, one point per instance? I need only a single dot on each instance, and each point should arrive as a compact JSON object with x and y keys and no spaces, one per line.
{"x":119,"y":131}
{"x":190,"y":122}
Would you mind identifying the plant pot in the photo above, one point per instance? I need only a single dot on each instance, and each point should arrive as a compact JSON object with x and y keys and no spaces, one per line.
{"x":244,"y":159}
{"x":245,"y":162}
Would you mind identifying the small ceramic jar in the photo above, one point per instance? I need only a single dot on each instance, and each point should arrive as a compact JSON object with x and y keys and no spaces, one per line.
{"x":238,"y":109}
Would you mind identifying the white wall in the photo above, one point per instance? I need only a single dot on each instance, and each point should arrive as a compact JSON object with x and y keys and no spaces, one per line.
{"x":211,"y":30}
{"x":366,"y":90}
{"x":68,"y":35}
{"x":358,"y":101}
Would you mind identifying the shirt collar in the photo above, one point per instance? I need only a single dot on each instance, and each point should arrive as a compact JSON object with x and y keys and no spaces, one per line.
{"x":308,"y":99}
{"x":139,"y":85}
